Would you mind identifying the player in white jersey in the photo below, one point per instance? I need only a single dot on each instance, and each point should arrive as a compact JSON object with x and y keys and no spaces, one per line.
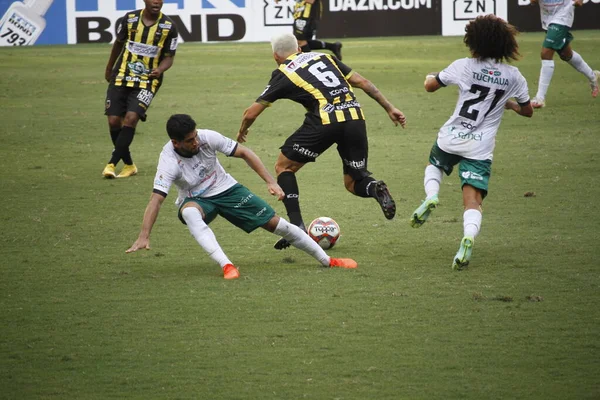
{"x":557,"y":18}
{"x":189,"y":161}
{"x":486,"y":86}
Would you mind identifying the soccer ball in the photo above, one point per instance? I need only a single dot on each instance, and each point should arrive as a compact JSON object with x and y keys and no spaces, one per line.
{"x":325,"y":231}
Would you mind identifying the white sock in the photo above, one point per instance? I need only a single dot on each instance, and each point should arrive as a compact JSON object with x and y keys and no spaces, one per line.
{"x":580,"y":65}
{"x":432,"y":180}
{"x":300,"y":240}
{"x":204,"y":235}
{"x":472,"y":222}
{"x":545,"y":77}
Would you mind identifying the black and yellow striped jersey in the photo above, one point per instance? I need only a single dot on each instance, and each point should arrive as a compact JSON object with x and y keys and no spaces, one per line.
{"x":318,"y":82}
{"x":145,"y":47}
{"x":304,"y":10}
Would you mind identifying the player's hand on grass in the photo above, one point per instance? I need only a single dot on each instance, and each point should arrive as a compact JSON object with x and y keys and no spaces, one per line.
{"x":276,"y":190}
{"x":241,"y":136}
{"x":139,"y":244}
{"x":397,"y":117}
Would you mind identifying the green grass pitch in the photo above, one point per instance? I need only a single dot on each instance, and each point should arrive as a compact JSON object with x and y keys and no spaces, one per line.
{"x":80,"y":319}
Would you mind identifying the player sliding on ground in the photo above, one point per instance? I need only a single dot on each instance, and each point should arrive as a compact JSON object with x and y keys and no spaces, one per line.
{"x":485,"y":88}
{"x":189,"y":161}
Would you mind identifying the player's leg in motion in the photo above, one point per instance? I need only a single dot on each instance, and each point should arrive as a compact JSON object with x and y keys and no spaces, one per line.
{"x":546,"y":72}
{"x":122,"y":144}
{"x":205,"y":237}
{"x":299,"y":239}
{"x":335,"y":48}
{"x":370,"y":187}
{"x":431,"y":182}
{"x":115,"y":123}
{"x":472,"y":199}
{"x":288,"y":182}
{"x":576,"y":61}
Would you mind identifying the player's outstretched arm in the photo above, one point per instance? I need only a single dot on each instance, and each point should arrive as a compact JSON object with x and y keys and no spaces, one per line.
{"x":525,"y":111}
{"x":150,"y":215}
{"x":250,"y":115}
{"x":257,"y":165}
{"x":397,"y":117}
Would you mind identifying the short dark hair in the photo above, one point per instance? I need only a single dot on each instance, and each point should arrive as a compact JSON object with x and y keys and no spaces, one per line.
{"x":488,"y":36}
{"x":179,"y":125}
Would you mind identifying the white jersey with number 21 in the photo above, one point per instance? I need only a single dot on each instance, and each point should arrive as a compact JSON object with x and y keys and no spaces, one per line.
{"x":484,"y":86}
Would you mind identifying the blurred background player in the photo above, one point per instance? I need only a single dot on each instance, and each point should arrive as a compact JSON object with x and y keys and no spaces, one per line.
{"x":485,"y":88}
{"x":323,"y":85}
{"x":189,"y":161}
{"x":145,"y":46}
{"x":307,"y":15}
{"x":557,"y":19}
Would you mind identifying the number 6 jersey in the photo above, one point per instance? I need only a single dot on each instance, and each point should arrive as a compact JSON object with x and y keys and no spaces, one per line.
{"x":484,"y":86}
{"x":318,"y":82}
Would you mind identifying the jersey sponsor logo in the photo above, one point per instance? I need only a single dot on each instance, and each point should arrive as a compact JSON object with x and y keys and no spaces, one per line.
{"x":305,"y":152}
{"x":491,"y":72}
{"x":477,"y":137}
{"x":244,"y":200}
{"x":356,"y":164}
{"x":133,"y":20}
{"x":328,"y":108}
{"x":145,"y":96}
{"x":173,"y":46}
{"x":129,"y":78}
{"x":261,"y":212}
{"x":471,"y":175}
{"x":346,"y":105}
{"x":468,"y":125}
{"x":138,"y":68}
{"x":337,"y":92}
{"x":161,"y":183}
{"x":166,"y":25}
{"x":143,"y":50}
{"x":299,"y":61}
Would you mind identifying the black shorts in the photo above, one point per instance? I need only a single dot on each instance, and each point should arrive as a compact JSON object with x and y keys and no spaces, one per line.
{"x":305,"y":29}
{"x":121,"y":99}
{"x":310,"y":141}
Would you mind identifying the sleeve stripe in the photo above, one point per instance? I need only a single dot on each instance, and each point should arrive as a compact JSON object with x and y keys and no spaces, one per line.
{"x":159,"y":192}
{"x":524,"y":104}
{"x":437,"y":78}
{"x":233,"y":151}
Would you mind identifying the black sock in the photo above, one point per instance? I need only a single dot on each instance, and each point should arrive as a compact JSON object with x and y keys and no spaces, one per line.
{"x":289,"y":184}
{"x":122,"y":146}
{"x":364,"y":188}
{"x":319,"y":44}
{"x":114,"y":134}
{"x":316,"y":44}
{"x":305,"y":48}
